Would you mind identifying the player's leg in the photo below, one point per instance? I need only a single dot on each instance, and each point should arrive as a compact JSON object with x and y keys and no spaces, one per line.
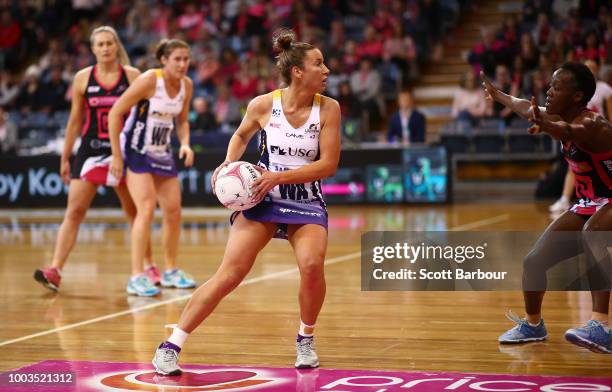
{"x":548,"y":250}
{"x":595,"y":334}
{"x":128,"y":206}
{"x":246,"y":239}
{"x":80,"y":196}
{"x":309,"y":244}
{"x":142,"y":190}
{"x":169,"y":198}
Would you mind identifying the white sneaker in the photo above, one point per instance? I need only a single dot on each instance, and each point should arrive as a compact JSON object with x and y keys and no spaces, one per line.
{"x":560,"y":205}
{"x":307,"y":357}
{"x":165,"y":361}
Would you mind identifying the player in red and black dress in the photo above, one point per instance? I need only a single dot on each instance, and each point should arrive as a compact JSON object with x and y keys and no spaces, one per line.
{"x":586,"y":139}
{"x":95,"y":90}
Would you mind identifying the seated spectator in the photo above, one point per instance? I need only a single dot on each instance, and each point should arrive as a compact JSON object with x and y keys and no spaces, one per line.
{"x":543,"y":33}
{"x":504,"y":83}
{"x":53,"y":92}
{"x":227,"y":109}
{"x":537,"y":87}
{"x":469,"y":103}
{"x":244,"y":85}
{"x":591,"y":48}
{"x":407,"y":125}
{"x":350,"y":107}
{"x":28,"y":99}
{"x":371,"y":46}
{"x":488,"y":53}
{"x":335,"y":77}
{"x":573,"y":30}
{"x":529,"y":52}
{"x":8,"y":134}
{"x":558,"y":51}
{"x":365,"y":84}
{"x":8,"y":89}
{"x":10,"y":36}
{"x":201,"y":119}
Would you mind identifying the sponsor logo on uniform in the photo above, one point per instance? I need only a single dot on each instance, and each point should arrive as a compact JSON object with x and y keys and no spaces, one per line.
{"x":294,"y":135}
{"x":162,"y":115}
{"x":121,"y":88}
{"x":276,"y":112}
{"x":93,"y":89}
{"x":608,"y":165}
{"x":101,"y":101}
{"x":275,"y":125}
{"x":313,"y":128}
{"x":293,"y":152}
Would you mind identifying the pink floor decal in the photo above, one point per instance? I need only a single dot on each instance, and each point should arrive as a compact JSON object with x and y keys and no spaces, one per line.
{"x":85,"y":376}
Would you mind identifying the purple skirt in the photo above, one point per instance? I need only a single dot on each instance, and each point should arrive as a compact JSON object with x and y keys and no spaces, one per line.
{"x":163,"y":165}
{"x":285,"y":213}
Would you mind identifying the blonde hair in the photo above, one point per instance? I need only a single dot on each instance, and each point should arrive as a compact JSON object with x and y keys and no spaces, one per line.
{"x":121,"y":53}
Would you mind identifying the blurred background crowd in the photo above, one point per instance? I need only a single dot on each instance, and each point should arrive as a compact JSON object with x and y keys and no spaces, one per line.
{"x":375,"y":49}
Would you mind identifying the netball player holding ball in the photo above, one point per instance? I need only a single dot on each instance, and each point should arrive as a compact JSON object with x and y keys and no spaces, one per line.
{"x":300,"y":144}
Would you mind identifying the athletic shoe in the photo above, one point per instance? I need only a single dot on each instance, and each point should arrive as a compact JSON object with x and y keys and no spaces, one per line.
{"x":307,"y":358}
{"x":593,"y":336}
{"x":177,"y":278}
{"x":523,"y":332}
{"x":560,"y":205}
{"x":48,"y":277}
{"x":153,"y":273}
{"x":142,"y":286}
{"x":165,"y":360}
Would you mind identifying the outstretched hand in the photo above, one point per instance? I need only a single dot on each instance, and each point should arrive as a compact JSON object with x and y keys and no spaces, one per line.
{"x":536,"y":118}
{"x":489,"y":87}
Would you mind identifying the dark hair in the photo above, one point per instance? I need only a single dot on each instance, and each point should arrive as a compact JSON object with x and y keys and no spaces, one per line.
{"x":583,"y":79}
{"x":290,"y":52}
{"x":167,"y":46}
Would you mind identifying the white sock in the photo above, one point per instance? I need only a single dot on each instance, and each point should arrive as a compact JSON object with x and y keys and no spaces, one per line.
{"x":303,"y":327}
{"x":178,"y":337}
{"x":564,"y":199}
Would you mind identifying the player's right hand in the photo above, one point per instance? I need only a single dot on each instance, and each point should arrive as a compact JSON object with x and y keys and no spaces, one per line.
{"x":65,"y":171}
{"x":213,"y":178}
{"x":490,"y":89}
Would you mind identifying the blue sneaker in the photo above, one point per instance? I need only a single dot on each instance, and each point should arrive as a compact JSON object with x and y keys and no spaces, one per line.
{"x":142,"y":286}
{"x":593,"y":336}
{"x":177,"y":278}
{"x":523,"y":332}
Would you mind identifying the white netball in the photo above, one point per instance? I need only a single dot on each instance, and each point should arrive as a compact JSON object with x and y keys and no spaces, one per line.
{"x":233,"y":183}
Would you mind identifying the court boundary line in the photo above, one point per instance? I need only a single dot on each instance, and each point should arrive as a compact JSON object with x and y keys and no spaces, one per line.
{"x":331,"y":261}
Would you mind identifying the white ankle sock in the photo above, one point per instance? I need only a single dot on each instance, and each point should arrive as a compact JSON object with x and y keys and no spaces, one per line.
{"x":178,"y":337}
{"x":303,"y":327}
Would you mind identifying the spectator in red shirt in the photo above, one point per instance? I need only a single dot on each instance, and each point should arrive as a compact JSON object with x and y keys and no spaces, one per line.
{"x":10,"y":35}
{"x":371,"y":46}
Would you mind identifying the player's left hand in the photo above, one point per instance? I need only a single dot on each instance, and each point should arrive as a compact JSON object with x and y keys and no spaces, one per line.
{"x":536,"y":118}
{"x":187,"y":153}
{"x":262,"y":185}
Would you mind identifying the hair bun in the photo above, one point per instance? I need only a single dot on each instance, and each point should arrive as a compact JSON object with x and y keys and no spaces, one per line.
{"x":283,"y":39}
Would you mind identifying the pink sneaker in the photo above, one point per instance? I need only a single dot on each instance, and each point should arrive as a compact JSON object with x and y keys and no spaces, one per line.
{"x":153,"y":274}
{"x":48,"y":277}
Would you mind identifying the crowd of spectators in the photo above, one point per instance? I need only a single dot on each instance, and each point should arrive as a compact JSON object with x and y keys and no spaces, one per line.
{"x":372,"y":47}
{"x":521,"y":54}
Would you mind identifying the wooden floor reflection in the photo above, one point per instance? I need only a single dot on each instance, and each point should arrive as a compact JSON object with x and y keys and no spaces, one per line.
{"x":256,"y":325}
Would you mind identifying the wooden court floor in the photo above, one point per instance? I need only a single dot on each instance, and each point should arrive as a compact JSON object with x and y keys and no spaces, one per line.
{"x":92,"y":318}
